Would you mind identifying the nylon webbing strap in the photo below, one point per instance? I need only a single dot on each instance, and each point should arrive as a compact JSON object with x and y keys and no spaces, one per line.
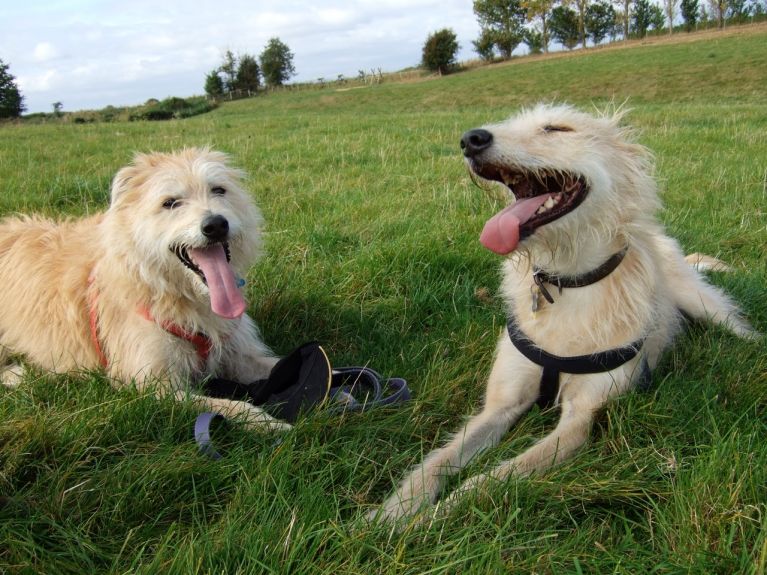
{"x":553,"y":365}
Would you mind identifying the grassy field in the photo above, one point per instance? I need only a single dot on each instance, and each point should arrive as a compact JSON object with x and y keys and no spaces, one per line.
{"x":372,"y":249}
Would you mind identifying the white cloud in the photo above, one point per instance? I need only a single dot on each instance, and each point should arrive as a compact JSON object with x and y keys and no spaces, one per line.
{"x":90,"y":53}
{"x":44,"y":51}
{"x":42,"y":81}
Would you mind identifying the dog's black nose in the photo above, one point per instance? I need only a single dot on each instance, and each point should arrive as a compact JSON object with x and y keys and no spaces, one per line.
{"x":475,"y":141}
{"x":215,"y":228}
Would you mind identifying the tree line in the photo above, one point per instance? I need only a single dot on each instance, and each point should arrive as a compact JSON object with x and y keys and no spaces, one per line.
{"x":241,"y":76}
{"x":506,"y":24}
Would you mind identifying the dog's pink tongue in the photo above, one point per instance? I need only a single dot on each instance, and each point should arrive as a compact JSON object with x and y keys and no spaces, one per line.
{"x":501,"y":232}
{"x":225,"y":297}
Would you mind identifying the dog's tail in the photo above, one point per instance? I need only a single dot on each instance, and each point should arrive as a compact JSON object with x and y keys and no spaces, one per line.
{"x":698,"y":299}
{"x":704,"y":263}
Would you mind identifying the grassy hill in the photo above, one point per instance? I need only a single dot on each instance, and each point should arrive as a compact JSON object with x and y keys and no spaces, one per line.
{"x":372,"y":249}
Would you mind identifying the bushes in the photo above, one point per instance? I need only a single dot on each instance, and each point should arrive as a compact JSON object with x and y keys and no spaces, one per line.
{"x":173,"y":108}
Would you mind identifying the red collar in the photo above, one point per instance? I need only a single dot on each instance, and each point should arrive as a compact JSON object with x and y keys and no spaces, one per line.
{"x":201,"y":342}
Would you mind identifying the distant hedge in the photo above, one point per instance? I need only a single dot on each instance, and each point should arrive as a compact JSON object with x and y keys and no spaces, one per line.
{"x":173,"y":108}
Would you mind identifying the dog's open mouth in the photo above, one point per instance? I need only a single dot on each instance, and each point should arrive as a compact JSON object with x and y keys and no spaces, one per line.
{"x":541,"y":198}
{"x":182,"y":253}
{"x":211,"y":265}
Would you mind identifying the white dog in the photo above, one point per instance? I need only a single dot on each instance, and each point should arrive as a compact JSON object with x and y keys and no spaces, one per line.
{"x":594,"y":288}
{"x":147,"y":290}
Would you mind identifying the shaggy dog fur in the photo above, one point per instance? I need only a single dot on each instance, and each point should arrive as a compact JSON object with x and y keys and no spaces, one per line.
{"x":584,"y":191}
{"x":178,"y":234}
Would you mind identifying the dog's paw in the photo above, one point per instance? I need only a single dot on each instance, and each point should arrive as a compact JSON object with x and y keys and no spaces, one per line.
{"x":403,"y":504}
{"x":12,"y":375}
{"x":476,"y":483}
{"x":393,"y":512}
{"x":271,"y":424}
{"x":258,"y":420}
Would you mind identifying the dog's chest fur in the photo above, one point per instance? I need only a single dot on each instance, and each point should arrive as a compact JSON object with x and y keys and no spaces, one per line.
{"x":587,"y":319}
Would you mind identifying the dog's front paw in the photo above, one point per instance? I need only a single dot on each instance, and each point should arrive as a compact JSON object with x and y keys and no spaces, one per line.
{"x":264,"y":422}
{"x":476,"y":483}
{"x":412,"y":496}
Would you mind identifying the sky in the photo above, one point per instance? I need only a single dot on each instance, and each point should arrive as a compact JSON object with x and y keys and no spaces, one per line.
{"x":88,"y":54}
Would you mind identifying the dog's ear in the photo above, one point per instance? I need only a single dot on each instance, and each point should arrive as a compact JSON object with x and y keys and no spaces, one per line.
{"x":133,"y":174}
{"x":122,"y":183}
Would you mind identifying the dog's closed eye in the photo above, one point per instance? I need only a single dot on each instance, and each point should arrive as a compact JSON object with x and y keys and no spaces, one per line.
{"x":218,"y":190}
{"x":552,"y":128}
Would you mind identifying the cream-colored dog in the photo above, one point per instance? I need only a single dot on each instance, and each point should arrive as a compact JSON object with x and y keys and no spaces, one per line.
{"x":147,"y":290}
{"x":591,"y":279}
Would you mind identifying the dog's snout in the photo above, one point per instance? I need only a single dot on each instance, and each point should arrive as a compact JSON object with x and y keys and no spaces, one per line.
{"x":475,"y":141}
{"x":215,"y":228}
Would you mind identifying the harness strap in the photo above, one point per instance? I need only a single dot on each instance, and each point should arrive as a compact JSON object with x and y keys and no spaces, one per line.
{"x":201,"y":342}
{"x":553,"y":365}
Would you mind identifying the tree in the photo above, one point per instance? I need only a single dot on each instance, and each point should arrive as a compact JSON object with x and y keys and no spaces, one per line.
{"x":229,"y":70}
{"x":626,"y":14}
{"x":689,"y":9}
{"x":599,"y":20}
{"x":640,"y":18}
{"x":502,"y":23}
{"x":657,"y":18}
{"x":58,"y":108}
{"x":718,"y":10}
{"x":277,"y":63}
{"x":564,"y":26}
{"x":248,"y":77}
{"x":534,"y":40}
{"x":485,"y":45}
{"x":581,"y":5}
{"x":540,"y":9}
{"x":11,"y":100}
{"x":739,"y":11}
{"x":439,"y":51}
{"x":670,"y":7}
{"x":214,"y":85}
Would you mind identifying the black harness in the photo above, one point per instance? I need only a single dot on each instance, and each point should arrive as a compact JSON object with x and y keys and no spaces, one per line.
{"x":553,"y":365}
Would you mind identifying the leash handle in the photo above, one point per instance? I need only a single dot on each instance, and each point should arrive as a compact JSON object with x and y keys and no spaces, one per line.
{"x":348,"y":381}
{"x":202,"y":433}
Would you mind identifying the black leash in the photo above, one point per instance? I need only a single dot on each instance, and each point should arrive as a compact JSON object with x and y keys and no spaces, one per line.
{"x":299,"y":382}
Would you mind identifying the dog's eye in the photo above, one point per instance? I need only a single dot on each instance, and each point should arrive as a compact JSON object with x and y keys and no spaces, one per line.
{"x":218,"y":190}
{"x":551,"y":128}
{"x":171,"y":203}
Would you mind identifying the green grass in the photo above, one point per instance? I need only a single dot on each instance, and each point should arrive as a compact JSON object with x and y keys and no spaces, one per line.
{"x":372,"y":249}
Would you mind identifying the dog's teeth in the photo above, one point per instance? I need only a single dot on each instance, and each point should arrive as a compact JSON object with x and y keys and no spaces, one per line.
{"x":509,"y":179}
{"x":549,"y":203}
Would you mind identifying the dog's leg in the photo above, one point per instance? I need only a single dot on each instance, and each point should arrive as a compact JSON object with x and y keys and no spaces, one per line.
{"x":248,"y":359}
{"x":511,"y":391}
{"x":252,"y":416}
{"x":579,"y":400}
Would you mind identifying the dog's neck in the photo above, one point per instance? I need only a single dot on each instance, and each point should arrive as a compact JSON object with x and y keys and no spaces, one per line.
{"x":565,"y":261}
{"x":562,"y":270}
{"x":541,"y":277}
